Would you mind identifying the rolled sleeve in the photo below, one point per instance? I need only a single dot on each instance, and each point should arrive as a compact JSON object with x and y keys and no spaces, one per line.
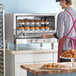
{"x":60,"y":25}
{"x":55,"y":35}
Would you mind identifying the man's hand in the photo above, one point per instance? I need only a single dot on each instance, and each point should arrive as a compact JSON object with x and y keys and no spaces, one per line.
{"x":46,"y":35}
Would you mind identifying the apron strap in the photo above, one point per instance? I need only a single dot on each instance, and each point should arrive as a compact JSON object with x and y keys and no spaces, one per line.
{"x":72,"y":40}
{"x":73,"y":23}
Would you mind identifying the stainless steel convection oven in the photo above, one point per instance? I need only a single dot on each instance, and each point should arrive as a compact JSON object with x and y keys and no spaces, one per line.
{"x":23,"y":31}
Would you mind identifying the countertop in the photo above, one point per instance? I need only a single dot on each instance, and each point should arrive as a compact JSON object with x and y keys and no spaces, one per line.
{"x":36,"y":69}
{"x":31,"y":51}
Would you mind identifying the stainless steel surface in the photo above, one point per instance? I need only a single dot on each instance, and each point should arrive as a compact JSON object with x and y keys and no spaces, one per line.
{"x":33,"y":41}
{"x":32,"y":35}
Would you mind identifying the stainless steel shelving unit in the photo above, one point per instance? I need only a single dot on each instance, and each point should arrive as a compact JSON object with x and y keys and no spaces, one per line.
{"x":2,"y":41}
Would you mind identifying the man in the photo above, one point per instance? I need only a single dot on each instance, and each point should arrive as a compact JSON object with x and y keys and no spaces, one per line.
{"x":64,"y":24}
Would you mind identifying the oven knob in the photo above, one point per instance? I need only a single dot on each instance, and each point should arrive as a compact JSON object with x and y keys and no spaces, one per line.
{"x":31,"y":41}
{"x":44,"y":41}
{"x":36,"y":41}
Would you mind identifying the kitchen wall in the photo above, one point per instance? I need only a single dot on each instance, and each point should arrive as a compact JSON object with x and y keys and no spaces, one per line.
{"x":74,"y":4}
{"x":31,"y":6}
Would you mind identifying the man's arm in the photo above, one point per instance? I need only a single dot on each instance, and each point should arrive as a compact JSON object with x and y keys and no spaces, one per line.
{"x":52,"y":35}
{"x":46,"y":35}
{"x":60,"y":25}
